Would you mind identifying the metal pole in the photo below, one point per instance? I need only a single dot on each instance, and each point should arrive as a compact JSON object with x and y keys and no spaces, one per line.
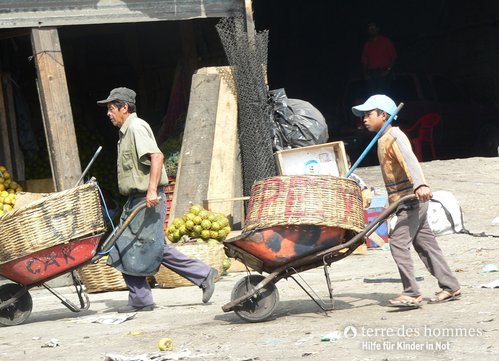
{"x":89,"y":165}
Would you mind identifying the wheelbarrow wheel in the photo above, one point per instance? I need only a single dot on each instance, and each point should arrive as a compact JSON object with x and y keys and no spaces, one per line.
{"x":18,"y":311}
{"x":258,"y":307}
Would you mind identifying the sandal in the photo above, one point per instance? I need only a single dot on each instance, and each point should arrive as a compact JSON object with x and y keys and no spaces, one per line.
{"x":445,"y":296}
{"x":406,"y":301}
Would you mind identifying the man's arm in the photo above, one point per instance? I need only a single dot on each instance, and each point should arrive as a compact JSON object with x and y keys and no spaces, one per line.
{"x":154,"y":177}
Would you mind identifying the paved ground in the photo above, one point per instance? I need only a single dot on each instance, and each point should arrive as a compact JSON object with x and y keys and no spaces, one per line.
{"x":467,"y":329}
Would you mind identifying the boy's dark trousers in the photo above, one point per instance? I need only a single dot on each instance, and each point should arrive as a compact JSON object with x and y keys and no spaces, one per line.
{"x":412,"y":228}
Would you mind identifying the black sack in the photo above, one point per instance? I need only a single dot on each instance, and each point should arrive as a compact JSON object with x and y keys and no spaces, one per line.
{"x":297,"y":123}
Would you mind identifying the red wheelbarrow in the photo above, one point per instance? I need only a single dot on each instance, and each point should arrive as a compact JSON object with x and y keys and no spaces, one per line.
{"x":285,"y":251}
{"x":39,"y":267}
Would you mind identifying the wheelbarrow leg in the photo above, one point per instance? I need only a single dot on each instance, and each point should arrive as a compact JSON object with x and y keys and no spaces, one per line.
{"x":324,"y":306}
{"x":328,"y":282}
{"x":82,"y":295}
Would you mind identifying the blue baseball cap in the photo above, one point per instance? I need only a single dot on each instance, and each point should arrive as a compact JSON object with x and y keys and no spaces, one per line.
{"x":378,"y":101}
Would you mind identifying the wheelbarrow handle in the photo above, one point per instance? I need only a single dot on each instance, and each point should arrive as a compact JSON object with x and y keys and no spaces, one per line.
{"x":113,"y":237}
{"x":392,"y":208}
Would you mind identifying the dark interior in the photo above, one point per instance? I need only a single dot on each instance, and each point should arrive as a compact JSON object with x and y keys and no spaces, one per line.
{"x":447,"y":55}
{"x":314,"y":53}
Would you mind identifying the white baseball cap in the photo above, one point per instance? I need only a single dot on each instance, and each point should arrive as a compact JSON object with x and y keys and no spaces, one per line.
{"x":378,"y":101}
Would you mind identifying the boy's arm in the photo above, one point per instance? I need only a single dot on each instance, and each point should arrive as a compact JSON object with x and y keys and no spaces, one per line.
{"x":423,"y":193}
{"x":411,"y":166}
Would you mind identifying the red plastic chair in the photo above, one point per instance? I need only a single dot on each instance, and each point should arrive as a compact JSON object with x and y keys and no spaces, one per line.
{"x":424,"y":127}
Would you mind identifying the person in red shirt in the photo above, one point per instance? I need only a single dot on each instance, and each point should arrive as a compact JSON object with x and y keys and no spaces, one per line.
{"x":378,"y":58}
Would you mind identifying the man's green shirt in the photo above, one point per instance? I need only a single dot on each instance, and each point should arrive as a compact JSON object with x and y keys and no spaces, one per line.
{"x":134,"y":165}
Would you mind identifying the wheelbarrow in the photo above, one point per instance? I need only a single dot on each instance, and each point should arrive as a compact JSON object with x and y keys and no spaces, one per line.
{"x":283,"y":252}
{"x":40,"y":267}
{"x":37,"y":268}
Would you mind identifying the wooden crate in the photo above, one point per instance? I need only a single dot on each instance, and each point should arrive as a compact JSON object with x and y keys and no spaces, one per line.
{"x":323,"y":159}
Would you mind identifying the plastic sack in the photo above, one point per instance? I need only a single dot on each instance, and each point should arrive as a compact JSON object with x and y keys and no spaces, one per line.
{"x":297,"y":123}
{"x":445,"y":215}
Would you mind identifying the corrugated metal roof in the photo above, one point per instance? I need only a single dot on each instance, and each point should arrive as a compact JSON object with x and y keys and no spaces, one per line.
{"x":41,"y":13}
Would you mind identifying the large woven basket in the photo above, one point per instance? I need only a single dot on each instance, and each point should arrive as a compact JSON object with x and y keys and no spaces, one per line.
{"x":58,"y":218}
{"x":212,"y":255}
{"x":309,"y":199}
{"x":99,"y":277}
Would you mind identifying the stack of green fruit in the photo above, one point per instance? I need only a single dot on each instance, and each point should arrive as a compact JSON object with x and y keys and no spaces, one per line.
{"x":8,"y":190}
{"x":200,"y":224}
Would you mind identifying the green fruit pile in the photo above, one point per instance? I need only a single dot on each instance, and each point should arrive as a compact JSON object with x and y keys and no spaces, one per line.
{"x":8,"y":190}
{"x":201,"y":224}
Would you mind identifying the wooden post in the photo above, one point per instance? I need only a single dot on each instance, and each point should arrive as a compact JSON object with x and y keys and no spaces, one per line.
{"x":251,"y":32}
{"x":17,"y":167}
{"x":56,"y":108}
{"x":5,"y":153}
{"x":209,"y":165}
{"x":225,"y":148}
{"x":250,"y":24}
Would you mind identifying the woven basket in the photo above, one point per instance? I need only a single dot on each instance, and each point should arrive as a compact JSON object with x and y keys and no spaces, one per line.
{"x":99,"y":277}
{"x":309,"y":199}
{"x":55,"y":219}
{"x":212,"y":255}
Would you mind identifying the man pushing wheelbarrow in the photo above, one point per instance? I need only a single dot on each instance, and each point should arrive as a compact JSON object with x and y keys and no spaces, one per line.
{"x":141,"y":248}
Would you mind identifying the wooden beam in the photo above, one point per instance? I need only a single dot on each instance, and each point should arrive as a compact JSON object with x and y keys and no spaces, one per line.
{"x":56,"y":108}
{"x":5,"y":155}
{"x":225,"y":147}
{"x":250,"y":24}
{"x":251,"y":32}
{"x":197,"y":144}
{"x":16,"y":152}
{"x":209,"y":166}
{"x":50,"y":13}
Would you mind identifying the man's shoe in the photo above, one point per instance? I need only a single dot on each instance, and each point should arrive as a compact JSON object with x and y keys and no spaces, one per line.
{"x":130,"y":309}
{"x":208,"y":285}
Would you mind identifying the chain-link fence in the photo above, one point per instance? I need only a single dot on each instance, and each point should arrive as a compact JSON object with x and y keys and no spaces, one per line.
{"x":247,"y":78}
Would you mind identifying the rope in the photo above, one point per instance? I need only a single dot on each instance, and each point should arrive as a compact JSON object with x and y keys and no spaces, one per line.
{"x":108,"y":217}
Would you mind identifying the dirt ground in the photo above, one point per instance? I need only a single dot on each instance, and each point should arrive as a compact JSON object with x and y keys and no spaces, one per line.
{"x":360,"y":326}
